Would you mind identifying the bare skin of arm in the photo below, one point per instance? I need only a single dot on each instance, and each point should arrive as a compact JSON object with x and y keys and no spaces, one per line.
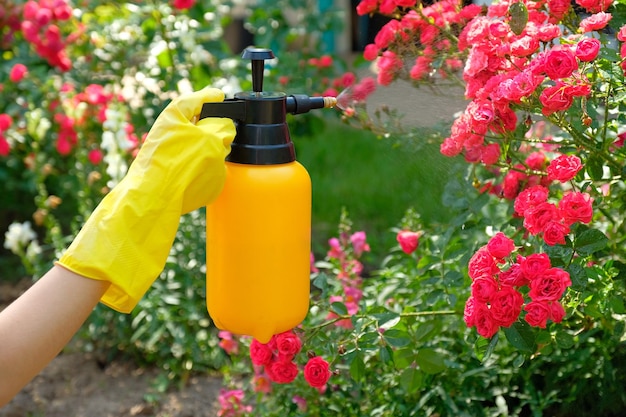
{"x":36,"y":326}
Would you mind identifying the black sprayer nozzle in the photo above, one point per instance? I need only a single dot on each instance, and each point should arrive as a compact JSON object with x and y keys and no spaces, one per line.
{"x":301,"y":103}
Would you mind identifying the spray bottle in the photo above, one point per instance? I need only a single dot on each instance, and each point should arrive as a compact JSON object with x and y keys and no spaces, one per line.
{"x":259,"y":228}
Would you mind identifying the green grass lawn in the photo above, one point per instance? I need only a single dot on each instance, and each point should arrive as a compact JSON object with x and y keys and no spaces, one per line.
{"x":375,"y":179}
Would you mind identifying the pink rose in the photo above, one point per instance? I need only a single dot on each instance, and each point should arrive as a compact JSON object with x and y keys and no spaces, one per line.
{"x":500,"y":246}
{"x":576,"y":207}
{"x":317,"y":372}
{"x":550,"y":285}
{"x":535,"y":265}
{"x":595,"y":22}
{"x":260,"y":353}
{"x":408,"y":240}
{"x":506,"y":306}
{"x":587,"y":49}
{"x":282,"y":371}
{"x":564,"y":168}
{"x":18,"y":72}
{"x":560,"y":62}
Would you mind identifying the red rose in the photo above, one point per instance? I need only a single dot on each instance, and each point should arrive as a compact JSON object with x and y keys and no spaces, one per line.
{"x":18,"y":72}
{"x":409,"y":241}
{"x":536,"y":218}
{"x":535,"y":265}
{"x":260,"y":353}
{"x":529,"y":198}
{"x":550,"y":285}
{"x":564,"y":168}
{"x":5,"y":122}
{"x":183,"y":4}
{"x":560,"y":62}
{"x":513,"y":277}
{"x":288,"y":344}
{"x":500,"y":246}
{"x":576,"y":207}
{"x":482,"y":263}
{"x":316,"y":372}
{"x":486,"y":326}
{"x":554,"y":233}
{"x":555,"y":98}
{"x":484,"y":288}
{"x":282,"y":371}
{"x":5,"y":147}
{"x":506,"y":306}
{"x":537,"y":313}
{"x":95,"y":156}
{"x":468,"y":312}
{"x":557,"y":312}
{"x":587,"y":49}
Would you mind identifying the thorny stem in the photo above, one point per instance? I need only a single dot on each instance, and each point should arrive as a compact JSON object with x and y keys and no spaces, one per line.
{"x":401,"y":315}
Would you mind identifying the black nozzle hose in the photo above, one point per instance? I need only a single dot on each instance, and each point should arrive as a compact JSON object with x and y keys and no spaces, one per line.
{"x":301,"y":103}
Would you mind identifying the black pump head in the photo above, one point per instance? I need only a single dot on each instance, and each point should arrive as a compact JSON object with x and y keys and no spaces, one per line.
{"x":260,"y":117}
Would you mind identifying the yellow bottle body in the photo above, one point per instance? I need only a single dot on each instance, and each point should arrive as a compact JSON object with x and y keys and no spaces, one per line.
{"x":258,"y":250}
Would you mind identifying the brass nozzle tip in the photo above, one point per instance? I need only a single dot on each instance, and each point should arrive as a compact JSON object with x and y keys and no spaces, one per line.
{"x":330,"y":102}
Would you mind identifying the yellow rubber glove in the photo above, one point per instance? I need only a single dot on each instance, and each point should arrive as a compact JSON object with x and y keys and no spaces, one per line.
{"x":179,"y":168}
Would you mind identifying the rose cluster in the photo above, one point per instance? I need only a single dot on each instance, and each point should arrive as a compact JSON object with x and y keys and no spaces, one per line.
{"x":507,"y":68}
{"x":549,"y":220}
{"x":421,"y":28}
{"x":499,"y":286}
{"x":40,"y":28}
{"x":277,"y":357}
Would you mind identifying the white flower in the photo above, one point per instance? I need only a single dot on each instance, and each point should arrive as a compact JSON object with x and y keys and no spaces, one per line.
{"x":18,"y":236}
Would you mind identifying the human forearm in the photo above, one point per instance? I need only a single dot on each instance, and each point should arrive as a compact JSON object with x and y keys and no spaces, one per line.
{"x":35,"y":328}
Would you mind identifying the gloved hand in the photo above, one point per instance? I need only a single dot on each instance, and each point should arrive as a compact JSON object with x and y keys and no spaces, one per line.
{"x":179,"y":168}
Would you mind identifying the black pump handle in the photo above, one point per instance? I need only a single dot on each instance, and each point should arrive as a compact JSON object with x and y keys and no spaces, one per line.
{"x":258,"y":57}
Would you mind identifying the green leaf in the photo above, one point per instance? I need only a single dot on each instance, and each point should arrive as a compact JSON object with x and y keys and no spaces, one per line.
{"x":339,"y":308}
{"x":387,"y":319}
{"x":321,"y":281}
{"x":578,"y":275}
{"x":411,"y":380}
{"x":386,"y":354}
{"x":564,"y":340}
{"x":430,"y":361}
{"x":404,"y":358}
{"x":483,"y":348}
{"x":594,"y":168}
{"x":519,"y":17}
{"x":590,"y":241}
{"x":397,"y":338}
{"x":521,"y":336}
{"x":357,"y":366}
